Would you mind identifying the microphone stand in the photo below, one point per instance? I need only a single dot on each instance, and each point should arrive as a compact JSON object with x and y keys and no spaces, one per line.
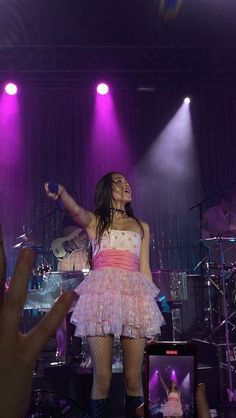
{"x":222,"y":189}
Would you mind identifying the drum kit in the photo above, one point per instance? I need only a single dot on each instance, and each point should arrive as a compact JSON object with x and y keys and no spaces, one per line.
{"x":44,"y":287}
{"x":221,"y":285}
{"x":221,"y":308}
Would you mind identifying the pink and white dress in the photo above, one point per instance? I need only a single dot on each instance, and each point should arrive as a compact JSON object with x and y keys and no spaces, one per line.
{"x":173,"y":407}
{"x":116,"y":298}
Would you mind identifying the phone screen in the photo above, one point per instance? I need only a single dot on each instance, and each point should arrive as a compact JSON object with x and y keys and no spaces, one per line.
{"x":171,"y":384}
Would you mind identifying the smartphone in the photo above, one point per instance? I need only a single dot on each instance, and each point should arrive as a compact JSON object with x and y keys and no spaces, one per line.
{"x":170,"y":379}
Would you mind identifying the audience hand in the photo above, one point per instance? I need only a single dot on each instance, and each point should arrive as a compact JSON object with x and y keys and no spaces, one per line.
{"x":201,"y":402}
{"x":19,"y":352}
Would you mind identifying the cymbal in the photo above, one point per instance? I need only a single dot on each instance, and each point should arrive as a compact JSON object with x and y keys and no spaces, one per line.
{"x":18,"y":245}
{"x":217,"y":240}
{"x":23,"y":236}
{"x":23,"y":244}
{"x":28,"y":238}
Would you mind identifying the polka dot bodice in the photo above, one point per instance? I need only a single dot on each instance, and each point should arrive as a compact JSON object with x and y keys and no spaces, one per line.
{"x":119,"y":240}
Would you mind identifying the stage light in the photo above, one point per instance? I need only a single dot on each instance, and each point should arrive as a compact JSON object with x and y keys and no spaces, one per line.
{"x":187,"y":100}
{"x":173,"y":376}
{"x":11,"y":89}
{"x":102,"y":89}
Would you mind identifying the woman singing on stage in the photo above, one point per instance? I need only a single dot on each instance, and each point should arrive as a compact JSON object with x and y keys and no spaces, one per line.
{"x":118,"y":297}
{"x":172,"y":407}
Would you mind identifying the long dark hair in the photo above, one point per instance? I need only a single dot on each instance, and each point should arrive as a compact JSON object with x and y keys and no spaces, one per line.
{"x":102,"y":209}
{"x":103,"y":203}
{"x":170,"y":386}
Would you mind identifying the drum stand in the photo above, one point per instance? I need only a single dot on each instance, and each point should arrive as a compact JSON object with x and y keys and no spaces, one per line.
{"x":225,"y":322}
{"x":215,"y":330}
{"x":210,"y":309}
{"x":205,"y":264}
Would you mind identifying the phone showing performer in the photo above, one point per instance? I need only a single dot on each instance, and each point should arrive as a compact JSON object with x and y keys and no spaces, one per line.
{"x":170,"y":379}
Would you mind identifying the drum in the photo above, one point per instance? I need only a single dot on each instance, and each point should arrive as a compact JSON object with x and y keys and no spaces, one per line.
{"x":44,"y":290}
{"x":172,"y":284}
{"x":66,"y":281}
{"x":41,"y":293}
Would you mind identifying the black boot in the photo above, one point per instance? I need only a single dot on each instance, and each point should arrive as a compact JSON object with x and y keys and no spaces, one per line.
{"x":99,"y":408}
{"x":131,"y":404}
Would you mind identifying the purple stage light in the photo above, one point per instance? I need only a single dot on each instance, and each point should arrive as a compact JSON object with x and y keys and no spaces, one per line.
{"x":102,"y":88}
{"x":107,"y":133}
{"x":173,"y":376}
{"x":186,"y":382}
{"x":187,"y":100}
{"x":11,"y":89}
{"x":153,"y":384}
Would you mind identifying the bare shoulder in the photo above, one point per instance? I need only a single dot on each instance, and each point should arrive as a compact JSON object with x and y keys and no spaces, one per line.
{"x":145,"y":226}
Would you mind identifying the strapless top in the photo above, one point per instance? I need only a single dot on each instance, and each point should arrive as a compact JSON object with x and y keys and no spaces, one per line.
{"x":173,"y":396}
{"x":118,"y":240}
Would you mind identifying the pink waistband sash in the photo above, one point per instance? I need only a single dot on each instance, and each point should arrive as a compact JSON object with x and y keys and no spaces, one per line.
{"x":116,"y":258}
{"x":173,"y":398}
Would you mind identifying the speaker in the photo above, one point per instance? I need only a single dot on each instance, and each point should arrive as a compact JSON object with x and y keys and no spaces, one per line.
{"x":207,"y":352}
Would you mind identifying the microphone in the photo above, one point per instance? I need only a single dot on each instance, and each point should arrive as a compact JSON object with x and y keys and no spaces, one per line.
{"x":54,"y":188}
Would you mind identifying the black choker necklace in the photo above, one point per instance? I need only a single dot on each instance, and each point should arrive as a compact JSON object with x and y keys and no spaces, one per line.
{"x":114,"y":210}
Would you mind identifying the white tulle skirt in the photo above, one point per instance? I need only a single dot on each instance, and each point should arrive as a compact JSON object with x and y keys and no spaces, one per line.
{"x":119,"y":302}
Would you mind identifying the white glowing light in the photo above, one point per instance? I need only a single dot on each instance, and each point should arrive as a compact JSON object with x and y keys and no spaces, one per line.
{"x":187,"y":100}
{"x":11,"y":89}
{"x":102,"y":89}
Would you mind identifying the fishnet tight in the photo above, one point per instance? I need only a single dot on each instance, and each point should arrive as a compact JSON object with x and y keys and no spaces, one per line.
{"x":101,"y":350}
